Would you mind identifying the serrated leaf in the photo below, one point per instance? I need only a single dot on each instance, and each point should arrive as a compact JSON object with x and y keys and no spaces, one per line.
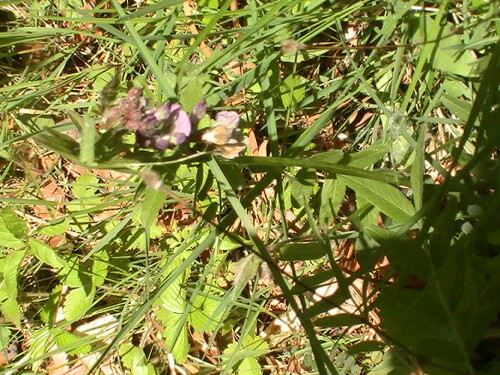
{"x":5,"y":335}
{"x":12,"y":229}
{"x":13,"y":223}
{"x":385,"y":197}
{"x":100,"y":264}
{"x":84,"y":186}
{"x":10,"y":270}
{"x":78,"y":301}
{"x":69,"y":343}
{"x":153,"y":202}
{"x":46,"y":254}
{"x":131,"y":355}
{"x":366,"y":346}
{"x":249,"y":366}
{"x":339,"y":320}
{"x":302,"y":251}
{"x":49,"y":309}
{"x":55,"y":229}
{"x":177,"y":344}
{"x":73,"y":274}
{"x":11,"y":311}
{"x":201,"y":315}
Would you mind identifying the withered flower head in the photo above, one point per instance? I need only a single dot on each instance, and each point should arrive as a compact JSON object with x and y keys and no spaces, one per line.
{"x":292,"y":46}
{"x":225,"y":137}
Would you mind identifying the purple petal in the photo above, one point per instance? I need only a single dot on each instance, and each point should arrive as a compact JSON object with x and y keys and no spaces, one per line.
{"x":181,"y":128}
{"x":227,"y":119}
{"x":160,"y":143}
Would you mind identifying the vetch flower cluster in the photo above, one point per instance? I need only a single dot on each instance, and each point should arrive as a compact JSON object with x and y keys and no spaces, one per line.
{"x":168,"y":125}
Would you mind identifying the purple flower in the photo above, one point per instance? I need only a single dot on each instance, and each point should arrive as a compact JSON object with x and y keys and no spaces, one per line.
{"x":158,"y":128}
{"x":169,"y":125}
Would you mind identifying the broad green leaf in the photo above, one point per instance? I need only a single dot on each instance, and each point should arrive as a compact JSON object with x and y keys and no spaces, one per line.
{"x":13,"y":223}
{"x":70,"y":343}
{"x":332,"y":195}
{"x":370,"y":215}
{"x":107,"y":83}
{"x":385,"y":197}
{"x":446,"y":350}
{"x":178,"y":345}
{"x":450,"y":57}
{"x":293,"y":90}
{"x":73,"y":274}
{"x":331,"y":156}
{"x":458,"y":107}
{"x":456,"y":88}
{"x":366,"y":157}
{"x":49,"y":309}
{"x":191,"y":93}
{"x":202,"y":314}
{"x":57,"y":228}
{"x":85,"y":186}
{"x":131,"y":355}
{"x":174,"y":297}
{"x":247,"y":351}
{"x":12,"y":229}
{"x":78,"y":301}
{"x":10,"y":269}
{"x":153,"y":202}
{"x":302,"y":251}
{"x":100,"y":264}
{"x":134,"y":359}
{"x":11,"y":311}
{"x":302,"y":187}
{"x":46,"y":254}
{"x":256,"y":344}
{"x":249,"y":366}
{"x":379,"y":233}
{"x":5,"y":335}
